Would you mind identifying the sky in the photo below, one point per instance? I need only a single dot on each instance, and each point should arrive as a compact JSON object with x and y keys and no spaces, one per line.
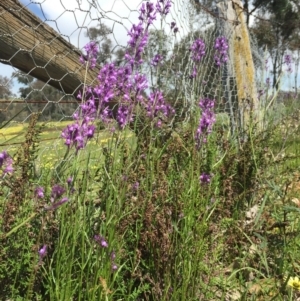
{"x":71,"y":18}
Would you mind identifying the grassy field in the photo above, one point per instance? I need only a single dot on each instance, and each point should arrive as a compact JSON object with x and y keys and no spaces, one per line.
{"x":51,"y":145}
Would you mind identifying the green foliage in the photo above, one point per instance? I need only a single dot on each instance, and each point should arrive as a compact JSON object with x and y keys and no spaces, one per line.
{"x":173,"y":238}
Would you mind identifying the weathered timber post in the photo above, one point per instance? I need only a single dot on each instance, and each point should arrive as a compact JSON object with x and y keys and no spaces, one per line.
{"x":242,"y":63}
{"x":32,"y":46}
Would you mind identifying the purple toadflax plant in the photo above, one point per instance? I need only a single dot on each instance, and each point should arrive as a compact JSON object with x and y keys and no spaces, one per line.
{"x":197,"y":52}
{"x":78,"y":133}
{"x":92,"y":51}
{"x":57,"y":192}
{"x":163,"y":6}
{"x":206,"y":121}
{"x":39,"y":192}
{"x":157,"y":108}
{"x":221,"y":49}
{"x":288,"y":62}
{"x":6,"y":163}
{"x":124,"y":84}
{"x":156,"y":60}
{"x":101,"y":241}
{"x":42,"y":253}
{"x":204,"y":178}
{"x":114,"y":266}
{"x":174,"y":27}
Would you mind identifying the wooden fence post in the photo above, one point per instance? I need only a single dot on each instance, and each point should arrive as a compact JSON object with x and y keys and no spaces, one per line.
{"x":32,"y":46}
{"x":242,"y":62}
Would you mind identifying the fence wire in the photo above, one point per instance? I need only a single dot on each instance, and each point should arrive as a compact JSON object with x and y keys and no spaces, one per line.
{"x":41,"y":43}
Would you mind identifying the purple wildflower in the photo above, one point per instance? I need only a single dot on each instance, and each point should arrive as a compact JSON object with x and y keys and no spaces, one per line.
{"x":147,"y":13}
{"x":163,"y":6}
{"x":266,"y":64}
{"x":156,"y":60}
{"x":101,"y":241}
{"x":205,"y":178}
{"x":221,"y":49}
{"x":206,"y":121}
{"x":113,"y":255}
{"x":92,"y":51}
{"x":54,"y":206}
{"x":288,"y":62}
{"x":268,"y":82}
{"x":136,"y":185}
{"x":42,"y":253}
{"x":6,"y":163}
{"x":39,"y":192}
{"x":157,"y":107}
{"x":261,"y":92}
{"x":114,"y":267}
{"x":194,"y":74}
{"x":124,"y":115}
{"x":82,"y":130}
{"x":122,"y":83}
{"x":198,"y":50}
{"x":174,"y":27}
{"x":69,"y":181}
{"x":158,"y":123}
{"x":206,"y":104}
{"x":57,"y":191}
{"x":138,"y":41}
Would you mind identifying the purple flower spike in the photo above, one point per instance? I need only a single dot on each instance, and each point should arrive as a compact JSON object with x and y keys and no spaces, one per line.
{"x":124,"y":116}
{"x":288,"y":62}
{"x":198,"y":50}
{"x":6,"y":163}
{"x":57,"y":191}
{"x":157,"y":107}
{"x":206,"y":121}
{"x":114,"y":267}
{"x":92,"y":51}
{"x":57,"y":204}
{"x":113,"y":255}
{"x":42,"y":252}
{"x":163,"y":6}
{"x":205,"y":178}
{"x":147,"y":13}
{"x":82,"y":130}
{"x":156,"y":60}
{"x":136,"y":185}
{"x":39,"y":192}
{"x":104,"y":244}
{"x":69,"y":181}
{"x":101,"y":241}
{"x":221,"y":49}
{"x":194,"y":74}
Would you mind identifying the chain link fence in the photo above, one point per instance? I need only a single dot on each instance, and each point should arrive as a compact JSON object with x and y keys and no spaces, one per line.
{"x":41,"y":43}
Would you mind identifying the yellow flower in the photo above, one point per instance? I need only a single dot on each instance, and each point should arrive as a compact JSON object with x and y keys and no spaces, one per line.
{"x":294,"y":282}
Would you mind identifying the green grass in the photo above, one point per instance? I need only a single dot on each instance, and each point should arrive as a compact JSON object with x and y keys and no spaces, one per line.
{"x":236,"y":238}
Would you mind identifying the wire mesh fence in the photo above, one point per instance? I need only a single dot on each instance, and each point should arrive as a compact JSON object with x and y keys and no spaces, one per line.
{"x":42,"y":41}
